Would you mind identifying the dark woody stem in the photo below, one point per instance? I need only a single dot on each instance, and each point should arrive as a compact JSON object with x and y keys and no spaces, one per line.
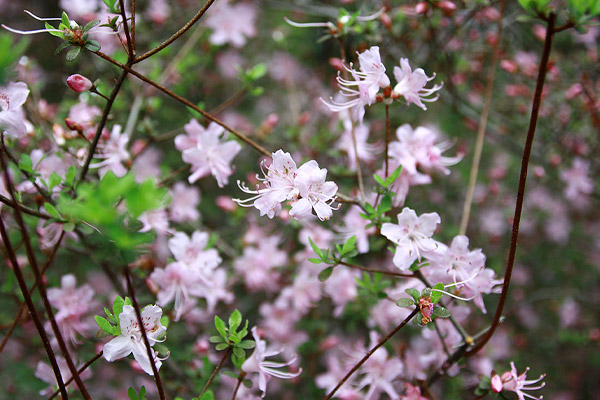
{"x":126,"y":29}
{"x":150,"y":351}
{"x":370,"y":353}
{"x":238,"y":384}
{"x":80,"y":371}
{"x":214,"y":373}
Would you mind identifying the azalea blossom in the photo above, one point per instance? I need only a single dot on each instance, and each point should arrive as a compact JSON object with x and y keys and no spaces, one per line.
{"x":113,"y":153}
{"x":367,"y":152}
{"x":305,"y":188}
{"x":361,"y":91}
{"x":411,"y":85}
{"x":12,"y":97}
{"x":514,"y":382}
{"x":207,"y":151}
{"x":256,"y":363}
{"x":231,"y":23}
{"x":412,"y":234}
{"x":131,"y":341}
{"x":45,"y":372}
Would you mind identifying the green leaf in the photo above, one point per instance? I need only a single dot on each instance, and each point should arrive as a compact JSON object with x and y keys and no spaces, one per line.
{"x":132,"y":394}
{"x":325,"y":274}
{"x":386,"y":204}
{"x":392,"y":178}
{"x":379,"y":180}
{"x":118,"y":307}
{"x":405,"y":302}
{"x":26,"y":164}
{"x":256,"y":72}
{"x":104,"y":324}
{"x":61,"y":47}
{"x":235,"y":319}
{"x":215,"y":339}
{"x":51,"y":210}
{"x":73,"y":53}
{"x":53,"y":33}
{"x":92,"y":45}
{"x":315,"y":260}
{"x":54,"y":180}
{"x":247,"y":344}
{"x":441,"y":312}
{"x":64,"y":18}
{"x":349,"y":245}
{"x":436,"y":296}
{"x":142,"y":392}
{"x":221,"y":346}
{"x":90,"y":25}
{"x":315,"y":248}
{"x":220,"y":325}
{"x":208,"y":395}
{"x":239,"y":352}
{"x":414,"y":293}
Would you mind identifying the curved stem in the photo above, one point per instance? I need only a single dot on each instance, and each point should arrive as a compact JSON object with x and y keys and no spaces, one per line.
{"x":214,"y":373}
{"x":177,"y":34}
{"x":537,"y":100}
{"x":370,"y":353}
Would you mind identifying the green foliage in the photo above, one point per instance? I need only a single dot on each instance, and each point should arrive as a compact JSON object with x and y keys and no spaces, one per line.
{"x":250,"y":76}
{"x":10,"y":52}
{"x":374,"y":286}
{"x":98,"y":204}
{"x":135,"y":396}
{"x":414,"y":293}
{"x":441,"y":312}
{"x":404,"y":302}
{"x":111,"y":325}
{"x":230,"y":337}
{"x":435,"y":295}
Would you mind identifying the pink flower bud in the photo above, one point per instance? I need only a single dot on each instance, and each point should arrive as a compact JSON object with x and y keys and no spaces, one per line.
{"x":496,"y":384}
{"x":79,"y":83}
{"x":421,"y":8}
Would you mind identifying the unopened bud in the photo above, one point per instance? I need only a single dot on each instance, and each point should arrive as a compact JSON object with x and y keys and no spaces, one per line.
{"x":336,"y":63}
{"x":386,"y":20}
{"x":447,"y":7}
{"x":73,"y":125}
{"x":421,"y":8}
{"x":79,"y":83}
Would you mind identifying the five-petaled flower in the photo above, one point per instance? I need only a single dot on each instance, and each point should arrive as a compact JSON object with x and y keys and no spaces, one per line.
{"x":411,"y":85}
{"x":131,"y":340}
{"x":512,"y":381}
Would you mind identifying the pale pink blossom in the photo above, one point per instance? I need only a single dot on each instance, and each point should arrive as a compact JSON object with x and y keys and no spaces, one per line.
{"x":193,"y":252}
{"x":367,"y":152}
{"x":87,"y":116}
{"x":314,"y":192}
{"x":45,"y":372}
{"x":155,"y":220}
{"x":12,"y":98}
{"x":341,"y":288}
{"x":184,"y":203}
{"x":579,"y":183}
{"x":514,"y":382}
{"x":257,"y":265}
{"x":130,"y":339}
{"x":412,"y":234}
{"x":411,"y":85}
{"x":207,"y":151}
{"x":79,"y":83}
{"x":231,"y":23}
{"x":256,"y":363}
{"x":412,"y":393}
{"x":355,"y":225}
{"x":113,"y":153}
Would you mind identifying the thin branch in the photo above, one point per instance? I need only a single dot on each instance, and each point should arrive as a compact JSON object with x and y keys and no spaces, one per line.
{"x":214,"y":373}
{"x":126,"y":29}
{"x":23,"y":208}
{"x":238,"y":384}
{"x":41,"y":286}
{"x":370,"y":353}
{"x":387,"y":139}
{"x":177,"y":34}
{"x":80,"y":370}
{"x":537,"y":100}
{"x":100,"y":128}
{"x":188,"y":103}
{"x":482,"y":126}
{"x":136,"y":307}
{"x":132,"y":10}
{"x":23,"y":286}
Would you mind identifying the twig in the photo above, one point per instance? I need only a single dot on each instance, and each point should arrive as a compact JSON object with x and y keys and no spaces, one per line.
{"x":100,"y":128}
{"x":136,"y":307}
{"x":537,"y":100}
{"x":238,"y":384}
{"x":23,"y":208}
{"x":132,"y":9}
{"x":41,"y":286}
{"x":482,"y":126}
{"x":80,"y":370}
{"x":188,"y":103}
{"x":177,"y":34}
{"x":383,"y":272}
{"x":126,"y":29}
{"x":370,"y":353}
{"x":214,"y":373}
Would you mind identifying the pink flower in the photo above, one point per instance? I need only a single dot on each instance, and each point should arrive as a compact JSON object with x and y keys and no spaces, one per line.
{"x":231,"y":23}
{"x":184,"y":203}
{"x":113,"y":153}
{"x":130,"y":339}
{"x":79,"y":83}
{"x":207,"y":151}
{"x":579,"y":184}
{"x":193,"y":251}
{"x":411,"y":85}
{"x":45,"y":372}
{"x":256,"y":363}
{"x":12,"y":97}
{"x":314,"y":192}
{"x":366,"y":152}
{"x":412,"y":234}
{"x":513,"y":382}
{"x":412,"y":393}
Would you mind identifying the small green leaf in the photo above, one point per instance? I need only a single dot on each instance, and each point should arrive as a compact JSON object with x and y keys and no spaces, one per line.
{"x":386,"y":204}
{"x":315,"y":260}
{"x":379,"y":180}
{"x":435,"y":295}
{"x":239,"y":352}
{"x":92,"y":46}
{"x":405,"y":302}
{"x":325,"y":274}
{"x":104,"y":324}
{"x":247,"y":344}
{"x":221,"y":346}
{"x":132,"y":394}
{"x":235,"y":319}
{"x":349,"y":245}
{"x":392,"y":178}
{"x":61,"y":47}
{"x":118,"y":307}
{"x":73,"y":53}
{"x":64,"y":18}
{"x":414,"y":293}
{"x":90,"y":25}
{"x":215,"y":339}
{"x":220,"y":325}
{"x":441,"y":312}
{"x":142,"y":392}
{"x":51,"y":210}
{"x":315,"y":248}
{"x":208,"y":395}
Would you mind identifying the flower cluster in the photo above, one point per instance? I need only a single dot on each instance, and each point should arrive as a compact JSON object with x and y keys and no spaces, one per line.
{"x":305,"y":188}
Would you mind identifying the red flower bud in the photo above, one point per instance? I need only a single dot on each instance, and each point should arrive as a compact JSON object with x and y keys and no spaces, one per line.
{"x":79,"y":83}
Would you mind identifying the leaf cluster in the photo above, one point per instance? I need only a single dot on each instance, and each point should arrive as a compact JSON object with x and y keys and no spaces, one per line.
{"x":230,"y":337}
{"x":343,"y":251}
